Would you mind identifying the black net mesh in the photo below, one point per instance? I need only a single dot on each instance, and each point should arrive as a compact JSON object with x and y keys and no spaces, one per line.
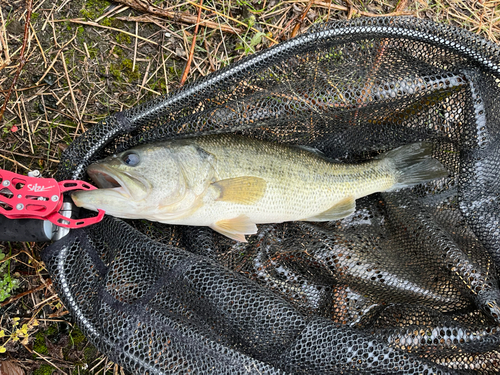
{"x":407,"y":284}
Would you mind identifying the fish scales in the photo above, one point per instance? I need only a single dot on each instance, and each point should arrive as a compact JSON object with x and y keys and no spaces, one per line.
{"x":231,"y":183}
{"x":299,"y":183}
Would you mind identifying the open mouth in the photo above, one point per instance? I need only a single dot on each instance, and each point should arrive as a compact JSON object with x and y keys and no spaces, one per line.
{"x":103,"y":179}
{"x":107,"y":178}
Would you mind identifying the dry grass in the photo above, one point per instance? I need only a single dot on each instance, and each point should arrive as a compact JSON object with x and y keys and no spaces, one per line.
{"x":86,"y":59}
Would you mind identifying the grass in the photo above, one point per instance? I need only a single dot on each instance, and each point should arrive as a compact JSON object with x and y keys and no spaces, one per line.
{"x":86,"y":59}
{"x":8,"y":283}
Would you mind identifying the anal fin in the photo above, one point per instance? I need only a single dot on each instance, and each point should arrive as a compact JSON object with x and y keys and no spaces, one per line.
{"x":235,"y":228}
{"x":341,"y":209}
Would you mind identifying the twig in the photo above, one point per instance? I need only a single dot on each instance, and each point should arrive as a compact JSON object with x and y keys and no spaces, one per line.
{"x":71,"y":92}
{"x":329,"y":5}
{"x":212,"y":67}
{"x":143,"y":6}
{"x":85,"y":104}
{"x":402,"y":4}
{"x":28,"y":130}
{"x":62,"y":5}
{"x":351,"y":9}
{"x":39,"y":45}
{"x":86,"y":49}
{"x":22,"y":60}
{"x":54,"y":30}
{"x":150,"y":90}
{"x":296,"y":28}
{"x":135,"y":45}
{"x":15,"y":162}
{"x":58,"y":314}
{"x":164,"y":70}
{"x":46,"y":301}
{"x":7,"y":258}
{"x":38,"y":6}
{"x":21,"y":295}
{"x":157,"y":21}
{"x":329,"y":11}
{"x":101,"y":361}
{"x":46,"y":360}
{"x":3,"y":42}
{"x":232,"y":19}
{"x":144,"y":80}
{"x":113,"y":11}
{"x":285,"y":28}
{"x":48,"y":18}
{"x":54,"y":61}
{"x":29,"y":156}
{"x":79,"y":21}
{"x":191,"y":51}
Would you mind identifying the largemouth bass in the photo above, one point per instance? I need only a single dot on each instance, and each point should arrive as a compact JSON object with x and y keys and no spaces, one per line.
{"x":231,"y":183}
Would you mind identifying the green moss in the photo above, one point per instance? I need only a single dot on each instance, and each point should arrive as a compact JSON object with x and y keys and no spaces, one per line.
{"x":67,"y":25}
{"x":174,"y":73}
{"x":123,"y":38}
{"x":94,"y":8}
{"x":34,"y":16}
{"x":118,"y":51}
{"x":44,"y":369}
{"x":39,"y":345}
{"x":112,"y":22}
{"x":106,"y":22}
{"x":122,"y":71}
{"x":86,"y":14}
{"x":128,"y":64}
{"x":77,"y":336}
{"x":81,"y":36}
{"x":114,"y":70}
{"x":52,"y":330}
{"x":90,"y":353}
{"x":159,"y":86}
{"x":100,"y":5}
{"x":92,"y":52}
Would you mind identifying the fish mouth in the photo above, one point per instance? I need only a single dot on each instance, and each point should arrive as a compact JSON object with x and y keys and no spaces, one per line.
{"x":123,"y":183}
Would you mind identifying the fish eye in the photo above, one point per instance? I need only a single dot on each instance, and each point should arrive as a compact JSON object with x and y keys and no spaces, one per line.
{"x":131,"y":159}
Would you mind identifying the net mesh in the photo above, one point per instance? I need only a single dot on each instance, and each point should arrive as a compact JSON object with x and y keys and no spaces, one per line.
{"x":407,"y":284}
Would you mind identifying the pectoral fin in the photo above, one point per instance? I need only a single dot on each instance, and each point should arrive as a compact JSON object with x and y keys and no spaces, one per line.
{"x":243,"y":190}
{"x":340,"y":210}
{"x":235,"y":228}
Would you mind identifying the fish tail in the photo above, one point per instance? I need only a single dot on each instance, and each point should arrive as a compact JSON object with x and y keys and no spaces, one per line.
{"x":414,"y":164}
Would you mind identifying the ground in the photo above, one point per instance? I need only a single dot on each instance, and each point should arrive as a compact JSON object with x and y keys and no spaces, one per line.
{"x":86,"y":59}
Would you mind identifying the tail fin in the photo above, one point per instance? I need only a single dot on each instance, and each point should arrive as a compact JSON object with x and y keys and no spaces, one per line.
{"x":414,"y":165}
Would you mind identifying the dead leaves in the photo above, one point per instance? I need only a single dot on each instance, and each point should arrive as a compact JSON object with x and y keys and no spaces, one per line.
{"x":10,"y":368}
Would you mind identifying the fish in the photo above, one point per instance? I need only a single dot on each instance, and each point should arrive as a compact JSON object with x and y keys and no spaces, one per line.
{"x":231,"y":182}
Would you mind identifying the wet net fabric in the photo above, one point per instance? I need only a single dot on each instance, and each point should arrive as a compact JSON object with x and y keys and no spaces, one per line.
{"x":407,"y":284}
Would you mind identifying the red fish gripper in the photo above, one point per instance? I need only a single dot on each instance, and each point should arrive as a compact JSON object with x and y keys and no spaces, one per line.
{"x":24,"y":197}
